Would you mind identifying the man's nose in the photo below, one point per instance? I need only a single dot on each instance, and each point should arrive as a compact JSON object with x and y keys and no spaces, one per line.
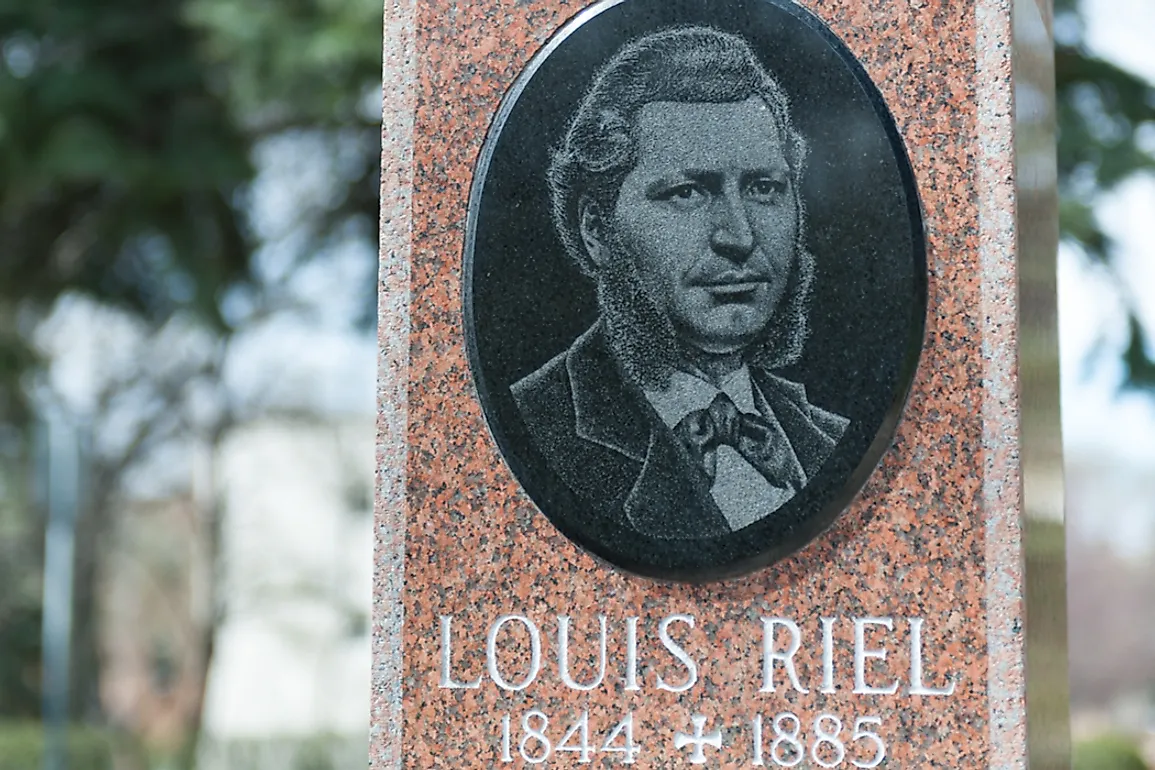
{"x":732,"y":236}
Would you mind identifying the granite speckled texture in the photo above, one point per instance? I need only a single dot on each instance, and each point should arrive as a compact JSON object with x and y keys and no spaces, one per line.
{"x":934,"y":534}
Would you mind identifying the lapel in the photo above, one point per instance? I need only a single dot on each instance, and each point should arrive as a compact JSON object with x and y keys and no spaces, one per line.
{"x":669,"y":498}
{"x":799,"y":419}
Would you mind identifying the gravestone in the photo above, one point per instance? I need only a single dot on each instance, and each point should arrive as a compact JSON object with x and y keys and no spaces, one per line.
{"x":703,"y":435}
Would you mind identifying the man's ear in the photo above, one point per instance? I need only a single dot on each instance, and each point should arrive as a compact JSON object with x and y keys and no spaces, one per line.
{"x":592,"y":225}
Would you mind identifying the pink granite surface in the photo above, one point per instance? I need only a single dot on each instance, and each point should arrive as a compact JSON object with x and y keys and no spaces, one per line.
{"x":933,"y":535}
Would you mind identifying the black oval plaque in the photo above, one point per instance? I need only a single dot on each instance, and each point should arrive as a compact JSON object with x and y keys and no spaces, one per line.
{"x":695,"y":282}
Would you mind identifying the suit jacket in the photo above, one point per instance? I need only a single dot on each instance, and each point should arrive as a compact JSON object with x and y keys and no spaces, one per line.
{"x":601,"y":436}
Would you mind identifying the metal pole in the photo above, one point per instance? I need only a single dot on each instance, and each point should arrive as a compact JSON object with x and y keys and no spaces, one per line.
{"x":62,"y":472}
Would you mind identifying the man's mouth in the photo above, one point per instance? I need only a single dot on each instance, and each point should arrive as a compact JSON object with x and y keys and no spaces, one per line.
{"x":737,"y":287}
{"x":733,"y":288}
{"x":728,"y":278}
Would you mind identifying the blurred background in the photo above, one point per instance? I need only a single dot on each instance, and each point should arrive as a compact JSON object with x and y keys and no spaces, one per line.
{"x":188,"y":218}
{"x":188,"y":210}
{"x":1105,"y":71}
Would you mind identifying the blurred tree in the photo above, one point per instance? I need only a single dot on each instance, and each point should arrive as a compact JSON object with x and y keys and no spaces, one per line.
{"x":128,"y":131}
{"x":306,"y":68}
{"x":126,"y":136}
{"x":20,"y":563}
{"x":19,"y":660}
{"x":305,"y":64}
{"x":120,"y":165}
{"x":1106,"y":119}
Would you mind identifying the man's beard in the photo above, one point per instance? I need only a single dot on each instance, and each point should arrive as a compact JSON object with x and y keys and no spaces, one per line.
{"x":642,"y":336}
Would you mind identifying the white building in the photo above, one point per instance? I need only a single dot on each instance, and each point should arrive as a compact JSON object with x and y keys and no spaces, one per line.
{"x":292,"y":657}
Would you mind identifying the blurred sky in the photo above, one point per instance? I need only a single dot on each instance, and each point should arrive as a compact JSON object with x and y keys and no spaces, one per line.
{"x":1102,"y":424}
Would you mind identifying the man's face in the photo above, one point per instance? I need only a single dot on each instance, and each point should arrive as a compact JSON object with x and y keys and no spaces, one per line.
{"x":710,"y":219}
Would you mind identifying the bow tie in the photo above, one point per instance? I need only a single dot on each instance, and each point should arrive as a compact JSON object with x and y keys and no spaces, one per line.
{"x":753,"y":437}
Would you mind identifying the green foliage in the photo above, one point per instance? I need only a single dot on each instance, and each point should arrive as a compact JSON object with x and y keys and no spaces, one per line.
{"x":126,"y":136}
{"x":307,"y":67}
{"x":1110,"y":752}
{"x":1101,"y":108}
{"x":301,"y":64}
{"x":19,"y":664}
{"x":22,"y":748}
{"x":21,"y":551}
{"x":119,"y":163}
{"x":16,"y":357}
{"x":1104,"y":112}
{"x":1137,"y":357}
{"x":119,"y":168}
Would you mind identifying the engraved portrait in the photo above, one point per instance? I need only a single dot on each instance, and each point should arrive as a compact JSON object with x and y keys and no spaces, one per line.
{"x":675,"y":191}
{"x":691,"y":345}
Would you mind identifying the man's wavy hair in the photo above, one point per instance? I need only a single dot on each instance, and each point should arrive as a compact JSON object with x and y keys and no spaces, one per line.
{"x":682,"y":64}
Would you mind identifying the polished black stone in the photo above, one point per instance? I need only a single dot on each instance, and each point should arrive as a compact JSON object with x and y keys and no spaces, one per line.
{"x":643,"y":220}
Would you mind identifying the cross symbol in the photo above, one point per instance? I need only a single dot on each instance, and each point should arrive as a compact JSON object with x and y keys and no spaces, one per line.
{"x":697,"y":740}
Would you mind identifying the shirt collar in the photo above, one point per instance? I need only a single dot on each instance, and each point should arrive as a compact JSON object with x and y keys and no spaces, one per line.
{"x":687,"y":393}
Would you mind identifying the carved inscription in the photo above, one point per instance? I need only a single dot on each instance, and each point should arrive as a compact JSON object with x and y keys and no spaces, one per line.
{"x":782,"y":739}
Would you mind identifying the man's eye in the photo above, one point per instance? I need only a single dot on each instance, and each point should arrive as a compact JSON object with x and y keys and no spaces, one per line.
{"x":766,"y":189}
{"x":683,"y":194}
